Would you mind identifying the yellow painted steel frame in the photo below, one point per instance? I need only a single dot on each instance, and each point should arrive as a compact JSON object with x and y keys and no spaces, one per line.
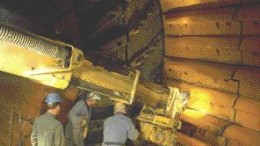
{"x":160,"y":124}
{"x":47,"y":70}
{"x":18,"y":58}
{"x":157,"y":128}
{"x":117,"y":87}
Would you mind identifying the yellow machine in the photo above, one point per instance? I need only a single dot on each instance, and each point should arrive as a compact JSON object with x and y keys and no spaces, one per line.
{"x":56,"y":64}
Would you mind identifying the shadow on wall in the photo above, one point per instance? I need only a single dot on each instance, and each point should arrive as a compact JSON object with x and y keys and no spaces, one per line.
{"x":22,"y":100}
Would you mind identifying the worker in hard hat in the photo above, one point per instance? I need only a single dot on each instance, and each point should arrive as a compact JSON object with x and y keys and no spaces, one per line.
{"x":79,"y":116}
{"x":47,"y":130}
{"x":118,"y":128}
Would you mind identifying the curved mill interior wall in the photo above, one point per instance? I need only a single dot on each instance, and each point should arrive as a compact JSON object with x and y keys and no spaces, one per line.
{"x":212,"y":51}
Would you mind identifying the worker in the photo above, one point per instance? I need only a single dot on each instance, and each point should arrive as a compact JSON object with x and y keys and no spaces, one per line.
{"x":118,"y":128}
{"x":47,"y":130}
{"x":79,"y":116}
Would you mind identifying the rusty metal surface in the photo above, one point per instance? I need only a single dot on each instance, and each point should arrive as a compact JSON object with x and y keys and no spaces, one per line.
{"x":202,"y":22}
{"x":214,"y":49}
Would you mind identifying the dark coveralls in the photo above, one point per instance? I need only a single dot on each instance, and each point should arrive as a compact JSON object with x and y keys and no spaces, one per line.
{"x":77,"y":127}
{"x":47,"y":131}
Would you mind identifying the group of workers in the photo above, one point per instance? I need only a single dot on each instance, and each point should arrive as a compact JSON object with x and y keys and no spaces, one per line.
{"x":49,"y":131}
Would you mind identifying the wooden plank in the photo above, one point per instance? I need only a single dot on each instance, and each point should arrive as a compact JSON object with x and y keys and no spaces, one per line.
{"x":250,"y":47}
{"x":249,"y":79}
{"x":215,"y":49}
{"x":242,"y":134}
{"x":204,"y":121}
{"x":186,"y":140}
{"x":202,"y":22}
{"x":248,"y":113}
{"x":171,"y":5}
{"x":212,"y":75}
{"x":216,"y":103}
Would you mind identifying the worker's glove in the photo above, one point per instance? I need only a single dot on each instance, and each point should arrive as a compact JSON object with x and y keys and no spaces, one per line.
{"x":84,"y":122}
{"x":84,"y":125}
{"x":85,"y":132}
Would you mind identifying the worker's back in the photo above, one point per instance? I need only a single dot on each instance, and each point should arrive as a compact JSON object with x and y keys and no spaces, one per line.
{"x":49,"y":131}
{"x":117,"y":129}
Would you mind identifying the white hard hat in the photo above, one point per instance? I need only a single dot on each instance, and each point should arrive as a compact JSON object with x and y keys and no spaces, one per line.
{"x":119,"y":107}
{"x":93,"y":96}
